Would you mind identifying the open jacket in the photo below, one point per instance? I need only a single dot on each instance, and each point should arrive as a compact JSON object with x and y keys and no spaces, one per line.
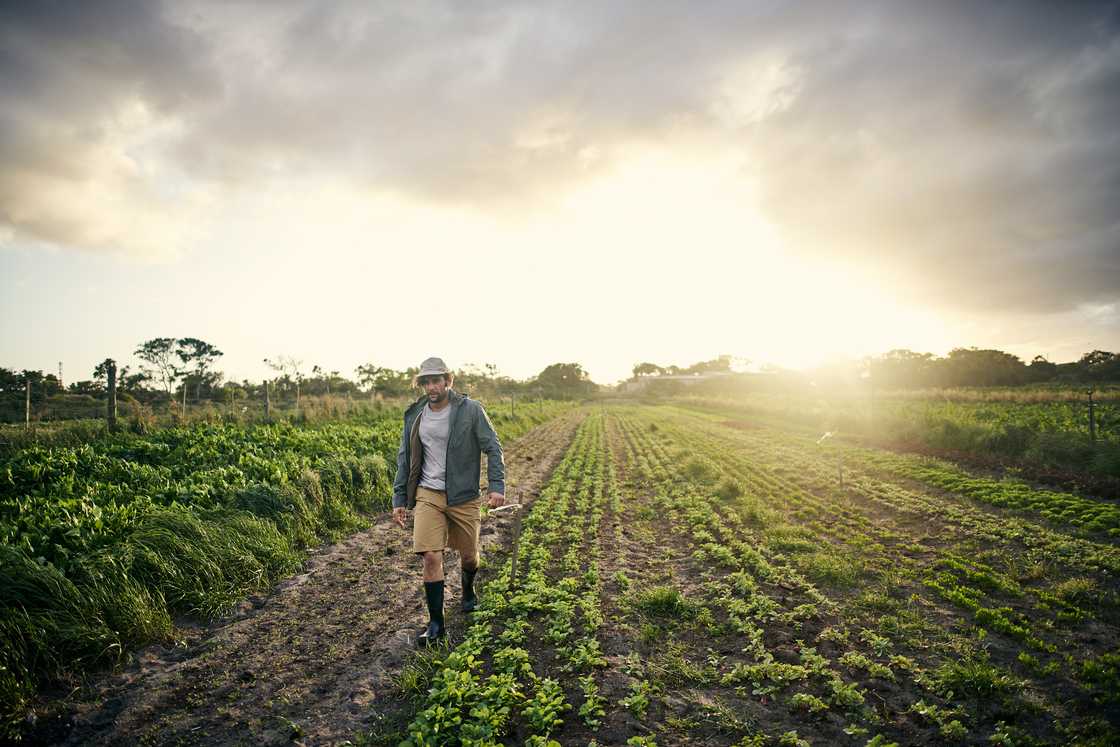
{"x":469,"y":433}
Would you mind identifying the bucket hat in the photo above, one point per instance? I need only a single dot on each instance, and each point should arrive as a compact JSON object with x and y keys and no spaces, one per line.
{"x":433,"y":367}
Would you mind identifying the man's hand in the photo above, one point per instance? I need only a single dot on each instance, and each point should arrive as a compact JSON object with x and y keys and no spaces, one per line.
{"x":399,"y":514}
{"x":495,"y":500}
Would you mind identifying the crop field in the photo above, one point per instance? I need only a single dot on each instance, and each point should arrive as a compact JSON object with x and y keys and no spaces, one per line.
{"x":684,"y":576}
{"x":104,"y":544}
{"x":1043,"y":433}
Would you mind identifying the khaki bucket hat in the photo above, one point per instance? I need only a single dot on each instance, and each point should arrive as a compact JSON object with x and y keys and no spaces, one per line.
{"x":431,"y":367}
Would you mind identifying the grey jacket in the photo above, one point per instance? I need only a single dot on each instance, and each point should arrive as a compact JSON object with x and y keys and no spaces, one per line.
{"x":469,"y":433}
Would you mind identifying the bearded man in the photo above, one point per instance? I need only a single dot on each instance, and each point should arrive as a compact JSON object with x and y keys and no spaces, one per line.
{"x":438,"y":469}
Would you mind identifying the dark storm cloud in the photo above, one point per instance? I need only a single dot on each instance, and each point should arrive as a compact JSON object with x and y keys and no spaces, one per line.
{"x":973,"y":144}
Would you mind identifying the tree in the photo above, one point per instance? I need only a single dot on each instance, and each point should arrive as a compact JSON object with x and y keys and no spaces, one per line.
{"x":289,"y":367}
{"x":94,"y":388}
{"x":647,"y":369}
{"x":387,"y":382}
{"x":973,"y":367}
{"x":722,"y":364}
{"x":1099,"y":365}
{"x":565,"y":381}
{"x":198,"y":356}
{"x":903,"y":368}
{"x":159,"y":354}
{"x":126,"y":381}
{"x":1041,"y":369}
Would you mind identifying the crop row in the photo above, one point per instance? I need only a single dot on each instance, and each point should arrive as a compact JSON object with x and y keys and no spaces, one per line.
{"x":826,"y":532}
{"x":495,"y":683}
{"x":763,"y":597}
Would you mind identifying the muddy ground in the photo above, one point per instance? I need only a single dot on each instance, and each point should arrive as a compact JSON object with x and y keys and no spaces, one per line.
{"x":312,"y":662}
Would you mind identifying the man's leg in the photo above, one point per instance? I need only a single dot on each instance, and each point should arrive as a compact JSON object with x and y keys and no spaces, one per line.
{"x":464,"y":524}
{"x":469,"y":569}
{"x":433,"y":566}
{"x":429,"y":539}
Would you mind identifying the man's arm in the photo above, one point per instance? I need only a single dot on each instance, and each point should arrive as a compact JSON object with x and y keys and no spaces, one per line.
{"x":488,"y":442}
{"x":400,"y":499}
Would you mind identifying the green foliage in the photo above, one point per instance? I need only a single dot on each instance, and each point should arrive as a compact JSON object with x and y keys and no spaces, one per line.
{"x":1101,"y":676}
{"x":104,"y":541}
{"x":700,"y":470}
{"x":729,"y":489}
{"x":664,"y":601}
{"x":973,"y":677}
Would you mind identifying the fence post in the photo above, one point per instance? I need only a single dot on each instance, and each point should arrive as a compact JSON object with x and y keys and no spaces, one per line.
{"x":111,"y":403}
{"x":27,"y":406}
{"x":267,"y":402}
{"x":511,"y":410}
{"x":1092,"y":419}
{"x":184,"y":399}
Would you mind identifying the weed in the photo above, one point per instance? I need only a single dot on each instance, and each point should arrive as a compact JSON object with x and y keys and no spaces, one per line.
{"x":973,"y":677}
{"x":664,"y":601}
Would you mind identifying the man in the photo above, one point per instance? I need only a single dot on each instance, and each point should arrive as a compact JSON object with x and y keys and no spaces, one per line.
{"x":438,"y":468}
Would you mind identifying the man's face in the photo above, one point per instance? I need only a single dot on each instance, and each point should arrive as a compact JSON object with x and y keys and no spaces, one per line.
{"x":435,"y":387}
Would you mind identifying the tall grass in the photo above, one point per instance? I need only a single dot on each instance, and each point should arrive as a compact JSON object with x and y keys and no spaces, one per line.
{"x":176,"y":560}
{"x":134,"y":562}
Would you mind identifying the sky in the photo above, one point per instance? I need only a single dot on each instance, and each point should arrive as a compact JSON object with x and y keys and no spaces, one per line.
{"x":528,"y":183}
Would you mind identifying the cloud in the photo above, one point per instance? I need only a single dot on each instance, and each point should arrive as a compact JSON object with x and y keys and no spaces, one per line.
{"x":980,"y":151}
{"x":969,"y":149}
{"x":90,"y":93}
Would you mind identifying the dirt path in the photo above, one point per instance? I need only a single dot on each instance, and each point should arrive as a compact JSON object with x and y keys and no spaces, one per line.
{"x":305,"y":664}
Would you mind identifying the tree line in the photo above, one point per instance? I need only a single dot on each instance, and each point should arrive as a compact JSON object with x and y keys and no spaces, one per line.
{"x":976,"y":367}
{"x":962,"y":367}
{"x":168,"y":369}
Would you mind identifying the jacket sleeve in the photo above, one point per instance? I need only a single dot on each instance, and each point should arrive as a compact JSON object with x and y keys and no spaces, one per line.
{"x":488,"y":442}
{"x":399,"y":482}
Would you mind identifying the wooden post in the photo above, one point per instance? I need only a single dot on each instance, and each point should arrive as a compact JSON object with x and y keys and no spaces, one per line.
{"x":512,"y":413}
{"x":111,"y":404}
{"x":516,"y":544}
{"x":27,"y":406}
{"x":267,"y":402}
{"x":184,"y":398}
{"x":1092,"y":419}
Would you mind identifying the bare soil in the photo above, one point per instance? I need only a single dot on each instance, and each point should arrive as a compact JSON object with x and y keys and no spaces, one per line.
{"x":312,"y":662}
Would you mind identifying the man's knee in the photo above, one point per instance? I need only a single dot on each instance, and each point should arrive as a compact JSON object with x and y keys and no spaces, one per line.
{"x":432,"y":558}
{"x":470,"y":564}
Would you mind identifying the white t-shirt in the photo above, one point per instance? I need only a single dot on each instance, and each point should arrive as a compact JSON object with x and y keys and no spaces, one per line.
{"x":434,"y":427}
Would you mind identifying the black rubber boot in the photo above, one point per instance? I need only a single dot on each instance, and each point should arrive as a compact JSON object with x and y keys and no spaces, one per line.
{"x":433,"y":591}
{"x":470,"y":599}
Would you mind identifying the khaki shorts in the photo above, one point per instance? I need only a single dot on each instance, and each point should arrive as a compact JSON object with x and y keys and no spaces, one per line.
{"x":438,"y":525}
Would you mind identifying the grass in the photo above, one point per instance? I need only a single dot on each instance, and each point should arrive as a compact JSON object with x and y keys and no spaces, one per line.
{"x":832,"y":569}
{"x":664,"y":602}
{"x":974,"y":677}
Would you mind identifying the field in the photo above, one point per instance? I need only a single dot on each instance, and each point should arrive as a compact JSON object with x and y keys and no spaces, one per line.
{"x":1043,"y":433}
{"x":691,"y":579}
{"x":106,"y":543}
{"x":686,"y":575}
